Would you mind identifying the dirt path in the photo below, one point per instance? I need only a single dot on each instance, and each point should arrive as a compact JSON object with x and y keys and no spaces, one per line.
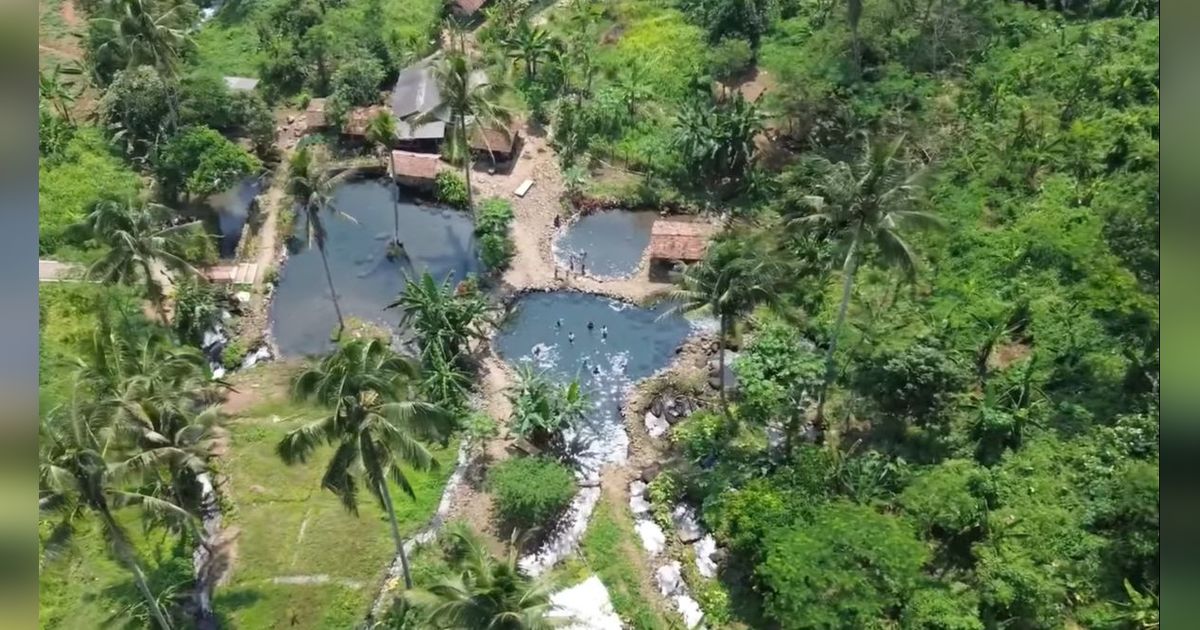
{"x":69,"y":15}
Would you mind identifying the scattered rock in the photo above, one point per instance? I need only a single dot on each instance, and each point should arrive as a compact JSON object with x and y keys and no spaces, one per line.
{"x":669,"y":578}
{"x":690,"y":609}
{"x":639,"y":505}
{"x":653,"y":538}
{"x":656,"y":426}
{"x":656,"y":407}
{"x":587,"y":605}
{"x":686,"y":524}
{"x":637,"y":488}
{"x":650,"y":472}
{"x":257,"y":489}
{"x":589,"y":482}
{"x":705,"y":548}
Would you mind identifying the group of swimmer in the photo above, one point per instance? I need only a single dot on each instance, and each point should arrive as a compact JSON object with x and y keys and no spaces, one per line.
{"x":590,"y":326}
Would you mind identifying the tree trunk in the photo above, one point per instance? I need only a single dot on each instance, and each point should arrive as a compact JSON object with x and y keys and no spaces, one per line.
{"x":155,"y":293}
{"x":467,"y":160}
{"x":139,"y":577}
{"x":387,"y":503}
{"x":395,"y":205}
{"x":332,"y":293}
{"x":847,"y":282}
{"x":721,"y":362}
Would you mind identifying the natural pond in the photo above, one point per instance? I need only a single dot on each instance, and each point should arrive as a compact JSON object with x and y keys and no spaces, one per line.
{"x":626,"y":343}
{"x":436,"y":240}
{"x":610,"y":243}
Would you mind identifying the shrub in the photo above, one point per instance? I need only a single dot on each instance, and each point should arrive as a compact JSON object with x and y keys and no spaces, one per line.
{"x":356,"y":82}
{"x":196,"y":310}
{"x":231,"y":356}
{"x":531,"y":491}
{"x":451,"y":189}
{"x":729,"y":59}
{"x":701,"y":435}
{"x":492,"y":221}
{"x":663,"y":492}
{"x":201,"y":161}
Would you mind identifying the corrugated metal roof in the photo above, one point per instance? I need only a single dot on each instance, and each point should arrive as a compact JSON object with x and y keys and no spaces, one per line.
{"x":241,"y":84}
{"x":434,"y":130}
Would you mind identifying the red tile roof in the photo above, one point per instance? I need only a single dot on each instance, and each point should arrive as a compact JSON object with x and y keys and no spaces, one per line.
{"x":679,"y":240}
{"x":415,"y":165}
{"x":358,"y":118}
{"x":468,"y":7}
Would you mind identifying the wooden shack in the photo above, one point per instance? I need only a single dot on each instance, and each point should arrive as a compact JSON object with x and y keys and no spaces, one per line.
{"x":314,"y":115}
{"x":674,"y":241}
{"x":415,"y":170}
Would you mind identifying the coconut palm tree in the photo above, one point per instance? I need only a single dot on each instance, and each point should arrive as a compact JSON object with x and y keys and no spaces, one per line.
{"x":381,"y":133}
{"x":731,"y":280}
{"x":372,"y":420}
{"x":142,"y":246}
{"x":119,"y":361}
{"x":76,"y":479}
{"x":470,"y":104}
{"x":311,"y":187}
{"x":140,"y":36}
{"x":864,"y":204}
{"x":487,"y":593}
{"x":529,"y":44}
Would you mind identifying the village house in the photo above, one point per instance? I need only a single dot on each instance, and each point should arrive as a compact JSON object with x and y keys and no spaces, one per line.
{"x":675,"y":241}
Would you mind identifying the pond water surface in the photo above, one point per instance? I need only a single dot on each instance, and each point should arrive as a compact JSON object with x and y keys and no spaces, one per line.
{"x":638,"y":344}
{"x":613,"y":240}
{"x":436,"y":240}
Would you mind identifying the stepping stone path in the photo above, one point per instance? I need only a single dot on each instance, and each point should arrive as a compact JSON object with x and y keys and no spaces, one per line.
{"x":669,"y":576}
{"x":587,"y":605}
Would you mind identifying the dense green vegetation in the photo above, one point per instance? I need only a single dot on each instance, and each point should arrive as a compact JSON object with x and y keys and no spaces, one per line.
{"x":531,"y":492}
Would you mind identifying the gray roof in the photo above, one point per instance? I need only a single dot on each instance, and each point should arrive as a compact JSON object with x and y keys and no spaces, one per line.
{"x":435,"y":130}
{"x":416,"y":91}
{"x":241,"y":84}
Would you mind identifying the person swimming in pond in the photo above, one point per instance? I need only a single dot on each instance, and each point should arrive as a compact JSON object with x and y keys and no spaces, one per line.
{"x":557,"y":221}
{"x":604,"y":332}
{"x":571,"y":337}
{"x":537,"y":350}
{"x":558,"y":324}
{"x":591,"y":326}
{"x":596,"y":370}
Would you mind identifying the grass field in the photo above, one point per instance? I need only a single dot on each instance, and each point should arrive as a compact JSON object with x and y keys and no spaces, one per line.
{"x":612,"y":550}
{"x":291,"y":528}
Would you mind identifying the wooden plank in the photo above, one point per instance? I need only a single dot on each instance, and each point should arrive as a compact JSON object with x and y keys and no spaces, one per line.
{"x":524,"y":187}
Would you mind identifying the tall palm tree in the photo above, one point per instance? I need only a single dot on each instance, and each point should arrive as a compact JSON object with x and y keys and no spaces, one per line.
{"x":470,"y":103}
{"x":142,"y":37}
{"x":487,"y":593}
{"x":731,"y":280}
{"x":142,"y":246}
{"x":311,"y":187}
{"x":76,"y":479}
{"x":529,"y":44}
{"x":864,"y":204}
{"x":373,"y":423}
{"x":381,"y":132}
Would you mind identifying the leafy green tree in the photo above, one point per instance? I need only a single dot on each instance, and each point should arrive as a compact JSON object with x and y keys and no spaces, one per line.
{"x":942,"y":608}
{"x":470,"y":104}
{"x":141,"y":246}
{"x":492,"y":223}
{"x":311,"y":186}
{"x":487,"y":593}
{"x":776,"y":371}
{"x":729,"y":59}
{"x":202,"y":162}
{"x":529,"y":45}
{"x":860,"y":205}
{"x":75,"y":480}
{"x":139,"y":110}
{"x":356,"y":82}
{"x":634,"y":86}
{"x":717,"y":140}
{"x":731,"y":280}
{"x":851,"y":566}
{"x":373,"y":423}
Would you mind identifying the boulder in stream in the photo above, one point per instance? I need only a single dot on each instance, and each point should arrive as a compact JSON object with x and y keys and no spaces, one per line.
{"x":656,"y":426}
{"x":686,"y":523}
{"x":653,"y":538}
{"x":669,"y":578}
{"x":706,"y":549}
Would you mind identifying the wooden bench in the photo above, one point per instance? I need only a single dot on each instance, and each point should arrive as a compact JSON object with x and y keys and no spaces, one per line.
{"x":523,"y":188}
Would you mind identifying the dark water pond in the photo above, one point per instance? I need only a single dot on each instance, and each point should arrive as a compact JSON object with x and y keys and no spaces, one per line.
{"x":231,"y":208}
{"x":614,"y":241}
{"x":437,"y":240}
{"x":638,"y":344}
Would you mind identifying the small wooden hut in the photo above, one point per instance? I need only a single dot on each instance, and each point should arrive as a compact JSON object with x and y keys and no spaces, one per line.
{"x":416,"y":170}
{"x":674,"y":241}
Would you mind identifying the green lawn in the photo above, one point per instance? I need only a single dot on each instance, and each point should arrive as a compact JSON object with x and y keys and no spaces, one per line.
{"x":610,"y":546}
{"x":291,"y":527}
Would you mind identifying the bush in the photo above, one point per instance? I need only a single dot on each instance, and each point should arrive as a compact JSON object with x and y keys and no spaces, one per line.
{"x":701,"y":435}
{"x":531,"y":491}
{"x":202,"y":162}
{"x":663,"y":492}
{"x":231,"y":356}
{"x":451,"y":189}
{"x":729,"y":59}
{"x":196,"y":309}
{"x":356,"y":82}
{"x":492,"y":222}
